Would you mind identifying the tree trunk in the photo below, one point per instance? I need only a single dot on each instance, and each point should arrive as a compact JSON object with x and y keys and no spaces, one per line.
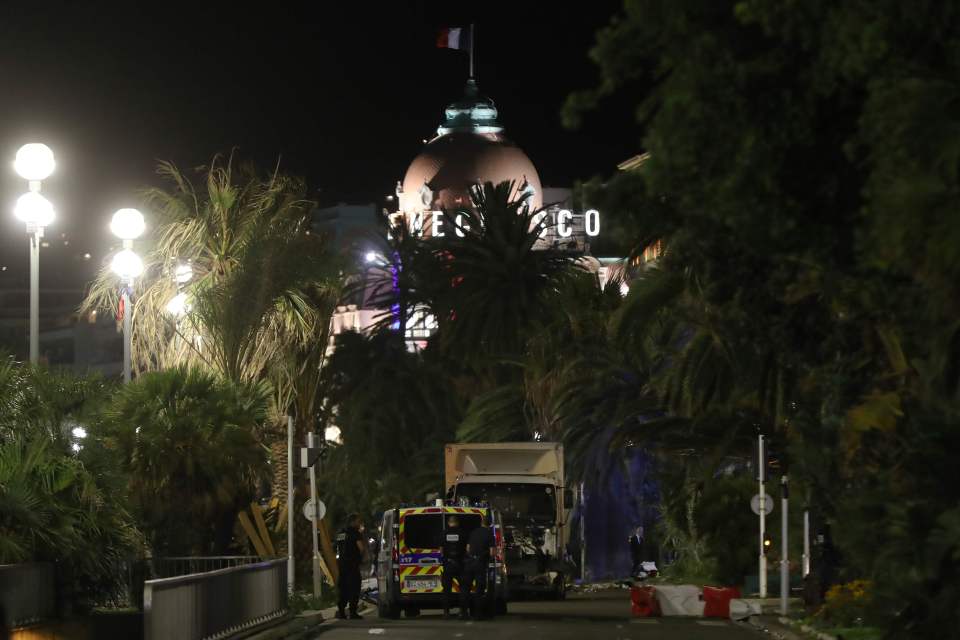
{"x":278,"y":455}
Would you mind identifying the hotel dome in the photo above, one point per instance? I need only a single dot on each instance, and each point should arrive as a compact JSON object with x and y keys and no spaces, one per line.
{"x":469,"y":149}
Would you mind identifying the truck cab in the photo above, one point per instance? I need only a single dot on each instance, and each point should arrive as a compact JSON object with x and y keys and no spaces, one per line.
{"x":524,"y":482}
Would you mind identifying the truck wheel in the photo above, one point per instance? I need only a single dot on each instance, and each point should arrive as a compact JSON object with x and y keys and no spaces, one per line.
{"x":500,"y":607}
{"x":559,"y":588}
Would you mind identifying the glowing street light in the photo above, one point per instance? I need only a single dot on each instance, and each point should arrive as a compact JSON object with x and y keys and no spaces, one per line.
{"x":35,"y":210}
{"x":34,"y":163}
{"x":332,"y":434}
{"x":178,"y":305}
{"x":127,"y":224}
{"x":127,"y":264}
{"x":183,"y":273}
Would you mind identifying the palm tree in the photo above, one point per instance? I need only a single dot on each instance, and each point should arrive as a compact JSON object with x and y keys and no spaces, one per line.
{"x":263,"y":289}
{"x":56,"y":503}
{"x":491,"y":290}
{"x":395,"y":409}
{"x":248,"y":244}
{"x":192,"y":447}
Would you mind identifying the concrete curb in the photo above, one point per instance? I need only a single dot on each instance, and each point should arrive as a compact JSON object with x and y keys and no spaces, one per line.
{"x":786,"y":629}
{"x":805,"y":628}
{"x":294,"y":627}
{"x":329,"y":621}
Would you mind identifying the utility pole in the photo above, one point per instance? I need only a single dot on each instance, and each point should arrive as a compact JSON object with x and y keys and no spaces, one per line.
{"x":762,"y":476}
{"x":316,"y":519}
{"x":291,"y":581}
{"x":583,"y":536}
{"x":784,"y":563}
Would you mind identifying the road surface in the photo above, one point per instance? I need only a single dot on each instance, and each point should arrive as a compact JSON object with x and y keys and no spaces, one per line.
{"x":597,"y":615}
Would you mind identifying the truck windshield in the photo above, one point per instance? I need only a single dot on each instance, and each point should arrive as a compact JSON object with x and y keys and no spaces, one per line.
{"x":425,"y":531}
{"x":519,"y":504}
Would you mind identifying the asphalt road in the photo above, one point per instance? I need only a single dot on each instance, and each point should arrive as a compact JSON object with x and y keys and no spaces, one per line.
{"x":604,"y":615}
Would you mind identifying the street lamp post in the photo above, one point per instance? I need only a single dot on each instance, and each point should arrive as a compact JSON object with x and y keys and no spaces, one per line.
{"x":127,"y":224}
{"x":34,"y":163}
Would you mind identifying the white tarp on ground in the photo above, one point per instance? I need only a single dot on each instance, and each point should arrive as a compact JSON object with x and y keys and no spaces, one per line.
{"x":679,"y":600}
{"x":743,"y":609}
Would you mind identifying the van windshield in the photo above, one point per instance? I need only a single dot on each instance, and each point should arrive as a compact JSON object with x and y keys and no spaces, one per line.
{"x":518,"y":504}
{"x":425,"y":530}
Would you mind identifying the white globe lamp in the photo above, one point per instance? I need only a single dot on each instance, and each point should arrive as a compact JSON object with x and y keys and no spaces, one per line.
{"x":178,"y":305}
{"x":127,"y":264}
{"x":183,"y":273}
{"x":127,"y":224}
{"x":34,"y":162}
{"x":35,"y":210}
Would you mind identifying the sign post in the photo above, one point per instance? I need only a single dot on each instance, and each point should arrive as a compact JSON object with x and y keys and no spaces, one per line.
{"x":316,"y":503}
{"x":784,"y":564}
{"x":291,"y":583}
{"x":761,"y":477}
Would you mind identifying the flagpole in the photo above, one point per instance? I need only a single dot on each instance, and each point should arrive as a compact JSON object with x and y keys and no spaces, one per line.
{"x":471,"y":49}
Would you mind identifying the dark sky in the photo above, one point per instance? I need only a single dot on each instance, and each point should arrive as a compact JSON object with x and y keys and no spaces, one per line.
{"x":343,"y":93}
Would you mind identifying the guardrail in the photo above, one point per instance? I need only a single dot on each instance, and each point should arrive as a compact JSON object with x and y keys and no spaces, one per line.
{"x":181,"y":566}
{"x":26,"y":594}
{"x":138,"y":571}
{"x":215,"y":604}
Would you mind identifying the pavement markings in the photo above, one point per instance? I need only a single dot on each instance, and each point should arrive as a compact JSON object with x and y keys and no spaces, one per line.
{"x":712,"y":623}
{"x":377,"y":631}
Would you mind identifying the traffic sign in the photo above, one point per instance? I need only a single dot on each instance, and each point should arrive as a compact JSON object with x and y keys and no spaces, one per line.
{"x":308,"y":509}
{"x":767,"y":506}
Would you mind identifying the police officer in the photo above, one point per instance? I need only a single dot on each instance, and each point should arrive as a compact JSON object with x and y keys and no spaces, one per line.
{"x":479,"y":547}
{"x":453,"y":549}
{"x":350,"y":549}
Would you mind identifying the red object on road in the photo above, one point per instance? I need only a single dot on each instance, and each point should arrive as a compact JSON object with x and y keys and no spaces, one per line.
{"x":716,"y":601}
{"x":643,"y":602}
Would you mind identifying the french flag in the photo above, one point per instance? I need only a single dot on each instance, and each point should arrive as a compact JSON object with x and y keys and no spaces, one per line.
{"x":454,"y":38}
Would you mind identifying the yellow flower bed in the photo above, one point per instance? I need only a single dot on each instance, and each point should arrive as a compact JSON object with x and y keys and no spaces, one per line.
{"x":846,"y":604}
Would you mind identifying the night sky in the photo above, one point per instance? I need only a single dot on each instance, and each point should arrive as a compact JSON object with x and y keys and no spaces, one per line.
{"x":342,"y":93}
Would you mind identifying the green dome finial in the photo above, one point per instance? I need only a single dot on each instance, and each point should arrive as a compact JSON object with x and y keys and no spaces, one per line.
{"x":473,"y":113}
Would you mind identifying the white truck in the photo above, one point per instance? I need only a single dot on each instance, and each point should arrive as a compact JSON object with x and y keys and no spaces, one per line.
{"x":524,"y":482}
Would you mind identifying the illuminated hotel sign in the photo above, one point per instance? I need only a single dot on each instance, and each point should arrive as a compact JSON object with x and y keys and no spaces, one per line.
{"x":563,"y":222}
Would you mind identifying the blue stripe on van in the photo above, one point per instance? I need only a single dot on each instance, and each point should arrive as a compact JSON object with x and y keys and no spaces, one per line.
{"x":414,"y":558}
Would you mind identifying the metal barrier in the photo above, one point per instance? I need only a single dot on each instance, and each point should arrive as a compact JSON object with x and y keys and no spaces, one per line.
{"x":215,"y":604}
{"x":181,"y":566}
{"x":26,"y":594}
{"x":138,"y":571}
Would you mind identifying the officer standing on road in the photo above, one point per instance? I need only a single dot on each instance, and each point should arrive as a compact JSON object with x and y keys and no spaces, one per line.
{"x":350,"y":549}
{"x":479,"y":546}
{"x":453,"y":548}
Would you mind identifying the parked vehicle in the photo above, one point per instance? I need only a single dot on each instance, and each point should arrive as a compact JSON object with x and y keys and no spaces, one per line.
{"x":410,"y":558}
{"x":524,"y":482}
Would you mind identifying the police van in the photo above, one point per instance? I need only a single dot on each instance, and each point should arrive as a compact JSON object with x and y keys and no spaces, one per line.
{"x":410,"y":558}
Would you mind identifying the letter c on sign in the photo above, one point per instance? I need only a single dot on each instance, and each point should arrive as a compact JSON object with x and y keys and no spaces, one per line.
{"x":593,"y":222}
{"x":538,"y":220}
{"x":562,"y":227}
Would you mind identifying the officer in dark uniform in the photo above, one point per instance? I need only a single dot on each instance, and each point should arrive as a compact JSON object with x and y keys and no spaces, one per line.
{"x":479,"y":546}
{"x":350,"y":549}
{"x":453,"y":551}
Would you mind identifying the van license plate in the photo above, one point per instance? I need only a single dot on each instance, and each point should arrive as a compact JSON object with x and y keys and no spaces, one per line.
{"x":422,"y":583}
